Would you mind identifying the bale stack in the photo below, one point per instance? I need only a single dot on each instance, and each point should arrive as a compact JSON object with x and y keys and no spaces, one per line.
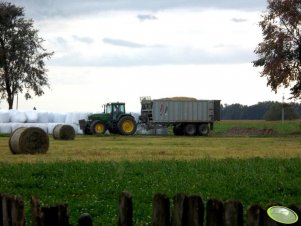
{"x":63,"y":132}
{"x":31,"y":140}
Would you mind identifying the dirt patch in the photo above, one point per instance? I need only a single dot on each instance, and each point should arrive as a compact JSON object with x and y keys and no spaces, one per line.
{"x":238,"y":131}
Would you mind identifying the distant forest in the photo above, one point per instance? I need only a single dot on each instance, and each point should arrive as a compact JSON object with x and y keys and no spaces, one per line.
{"x":268,"y":110}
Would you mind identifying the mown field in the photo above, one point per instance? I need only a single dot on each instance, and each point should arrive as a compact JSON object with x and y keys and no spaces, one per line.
{"x":90,"y":172}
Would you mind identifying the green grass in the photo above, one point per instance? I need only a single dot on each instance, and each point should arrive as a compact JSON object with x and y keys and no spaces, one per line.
{"x":292,"y":127}
{"x":90,"y":172}
{"x":95,"y":187}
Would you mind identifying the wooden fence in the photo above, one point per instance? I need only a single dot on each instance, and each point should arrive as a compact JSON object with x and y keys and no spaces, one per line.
{"x":185,"y":211}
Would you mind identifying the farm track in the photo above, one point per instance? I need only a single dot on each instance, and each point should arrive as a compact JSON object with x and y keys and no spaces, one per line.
{"x":152,"y":148}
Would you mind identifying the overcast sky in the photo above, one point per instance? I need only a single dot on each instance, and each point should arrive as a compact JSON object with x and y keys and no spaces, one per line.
{"x":119,"y":50}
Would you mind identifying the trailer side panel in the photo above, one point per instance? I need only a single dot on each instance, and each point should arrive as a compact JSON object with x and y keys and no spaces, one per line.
{"x":173,"y":111}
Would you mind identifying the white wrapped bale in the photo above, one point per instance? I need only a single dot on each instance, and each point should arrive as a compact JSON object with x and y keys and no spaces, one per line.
{"x":84,"y":115}
{"x":59,"y":117}
{"x":17,"y":116}
{"x":43,"y":126}
{"x":50,"y":127}
{"x":32,"y":116}
{"x":43,"y":117}
{"x":71,"y":117}
{"x":15,"y":126}
{"x":51,"y":117}
{"x":4,"y":116}
{"x":79,"y":130}
{"x":5,"y":128}
{"x":74,"y":117}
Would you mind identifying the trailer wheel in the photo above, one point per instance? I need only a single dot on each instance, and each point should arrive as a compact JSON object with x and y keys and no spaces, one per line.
{"x":190,"y":129}
{"x":98,"y":128}
{"x":127,"y":125}
{"x":177,"y":130}
{"x":203,"y":129}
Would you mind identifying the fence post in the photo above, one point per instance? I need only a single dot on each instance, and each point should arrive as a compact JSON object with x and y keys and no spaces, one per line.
{"x":233,"y":213}
{"x":6,"y":210}
{"x":1,"y":210}
{"x":255,"y":215}
{"x":161,"y":211}
{"x":125,"y":217}
{"x":195,"y":211}
{"x":18,"y":212}
{"x":55,"y":215}
{"x":215,"y":213}
{"x":179,"y":208}
{"x":36,"y":215}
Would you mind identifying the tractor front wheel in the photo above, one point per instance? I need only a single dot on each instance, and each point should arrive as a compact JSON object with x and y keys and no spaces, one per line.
{"x":127,"y":125}
{"x":98,"y":128}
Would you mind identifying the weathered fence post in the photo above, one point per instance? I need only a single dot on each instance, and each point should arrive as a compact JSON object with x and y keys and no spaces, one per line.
{"x":1,"y":210}
{"x":255,"y":215}
{"x":49,"y":216}
{"x":6,"y":210}
{"x":215,"y":213}
{"x":161,"y":211}
{"x":233,"y":213}
{"x":125,"y":217}
{"x":36,"y":215}
{"x":179,"y":208}
{"x":18,"y":212}
{"x":195,"y":211}
{"x":55,"y":215}
{"x":13,"y":212}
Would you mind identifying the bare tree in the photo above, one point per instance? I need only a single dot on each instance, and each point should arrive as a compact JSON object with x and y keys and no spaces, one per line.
{"x":21,"y":55}
{"x":280,"y":51}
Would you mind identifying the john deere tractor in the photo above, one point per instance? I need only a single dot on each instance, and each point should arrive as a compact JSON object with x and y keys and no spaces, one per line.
{"x":113,"y":119}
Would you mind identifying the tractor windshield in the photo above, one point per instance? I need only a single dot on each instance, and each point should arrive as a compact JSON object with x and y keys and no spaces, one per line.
{"x":122,"y":108}
{"x":108,"y":109}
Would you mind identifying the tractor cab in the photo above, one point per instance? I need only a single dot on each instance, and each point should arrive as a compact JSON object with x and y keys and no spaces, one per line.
{"x":115,"y":110}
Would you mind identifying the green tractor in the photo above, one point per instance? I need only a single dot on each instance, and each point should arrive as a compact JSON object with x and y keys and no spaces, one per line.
{"x":113,"y":119}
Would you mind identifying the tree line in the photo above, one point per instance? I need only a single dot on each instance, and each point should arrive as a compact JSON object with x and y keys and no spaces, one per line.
{"x":268,"y":110}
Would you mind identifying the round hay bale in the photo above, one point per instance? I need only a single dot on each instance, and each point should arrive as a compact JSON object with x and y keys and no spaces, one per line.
{"x":63,"y":132}
{"x":31,"y":140}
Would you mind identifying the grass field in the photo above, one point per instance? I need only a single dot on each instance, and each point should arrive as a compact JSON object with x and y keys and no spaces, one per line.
{"x":90,"y":172}
{"x":138,"y":148}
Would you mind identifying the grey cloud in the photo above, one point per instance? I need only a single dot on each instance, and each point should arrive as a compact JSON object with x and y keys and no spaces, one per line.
{"x":39,"y":9}
{"x":87,"y":40}
{"x":146,"y":17}
{"x":165,"y":56}
{"x":60,"y":42}
{"x":239,"y":20}
{"x":122,"y":43}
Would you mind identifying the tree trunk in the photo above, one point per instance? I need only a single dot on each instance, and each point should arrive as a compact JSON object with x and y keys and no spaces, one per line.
{"x":10,"y":100}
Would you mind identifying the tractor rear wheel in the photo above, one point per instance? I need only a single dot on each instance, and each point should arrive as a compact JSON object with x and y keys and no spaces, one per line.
{"x":127,"y":125}
{"x":98,"y":128}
